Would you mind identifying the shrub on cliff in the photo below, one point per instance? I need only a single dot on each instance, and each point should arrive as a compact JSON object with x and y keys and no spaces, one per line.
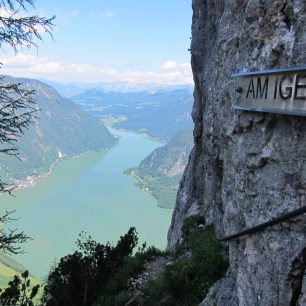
{"x":97,"y":274}
{"x":187,"y":281}
{"x":79,"y":278}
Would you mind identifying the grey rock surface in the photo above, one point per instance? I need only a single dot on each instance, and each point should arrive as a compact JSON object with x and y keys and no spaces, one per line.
{"x":246,"y":167}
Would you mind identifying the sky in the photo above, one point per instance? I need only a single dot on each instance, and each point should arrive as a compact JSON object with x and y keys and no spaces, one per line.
{"x":135,"y":41}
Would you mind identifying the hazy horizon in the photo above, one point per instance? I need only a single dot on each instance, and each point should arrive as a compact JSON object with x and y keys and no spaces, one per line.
{"x":134,"y":42}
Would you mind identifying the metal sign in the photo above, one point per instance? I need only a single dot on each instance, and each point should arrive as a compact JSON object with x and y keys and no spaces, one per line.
{"x":276,"y":91}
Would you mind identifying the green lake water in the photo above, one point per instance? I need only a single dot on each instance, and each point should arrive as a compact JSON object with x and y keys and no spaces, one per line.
{"x":88,"y":193}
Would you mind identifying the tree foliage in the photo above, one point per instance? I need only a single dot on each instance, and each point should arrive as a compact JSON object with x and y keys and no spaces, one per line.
{"x":17,"y":113}
{"x":10,"y":241}
{"x":17,"y":103}
{"x":20,"y":292}
{"x":79,"y":278}
{"x":18,"y":30}
{"x":188,"y":280}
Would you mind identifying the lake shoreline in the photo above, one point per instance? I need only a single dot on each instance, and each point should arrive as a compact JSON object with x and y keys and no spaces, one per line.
{"x":141,"y":133}
{"x":31,"y":180}
{"x":143,"y":186}
{"x":91,"y":194}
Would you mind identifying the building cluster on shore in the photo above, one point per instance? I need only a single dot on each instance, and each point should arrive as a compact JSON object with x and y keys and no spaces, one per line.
{"x":28,"y":182}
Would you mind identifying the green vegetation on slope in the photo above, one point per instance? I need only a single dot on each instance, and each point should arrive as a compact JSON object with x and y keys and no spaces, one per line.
{"x":115,"y":289}
{"x":161,"y":171}
{"x":62,"y":129}
{"x":99,"y":275}
{"x":187,"y":281}
{"x":9,"y":267}
{"x":90,"y":272}
{"x":20,"y":291}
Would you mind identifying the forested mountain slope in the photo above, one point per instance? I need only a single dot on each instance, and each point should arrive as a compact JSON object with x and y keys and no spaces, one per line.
{"x":62,"y":129}
{"x":161,"y":171}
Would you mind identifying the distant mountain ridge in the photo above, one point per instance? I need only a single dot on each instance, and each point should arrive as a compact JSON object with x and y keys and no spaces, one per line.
{"x":160,"y":114}
{"x":62,"y":129}
{"x":69,"y":89}
{"x":160,"y":172}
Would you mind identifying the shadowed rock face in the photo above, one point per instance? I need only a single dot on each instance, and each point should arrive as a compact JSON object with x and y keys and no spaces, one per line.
{"x":246,"y":167}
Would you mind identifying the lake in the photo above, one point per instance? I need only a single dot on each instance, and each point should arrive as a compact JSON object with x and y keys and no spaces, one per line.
{"x":87,"y":193}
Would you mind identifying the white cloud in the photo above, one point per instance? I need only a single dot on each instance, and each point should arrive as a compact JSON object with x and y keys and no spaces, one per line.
{"x":169,"y":65}
{"x":42,"y":67}
{"x":185,"y":66}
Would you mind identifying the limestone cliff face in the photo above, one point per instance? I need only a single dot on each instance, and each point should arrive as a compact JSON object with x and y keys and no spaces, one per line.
{"x":247,"y":167}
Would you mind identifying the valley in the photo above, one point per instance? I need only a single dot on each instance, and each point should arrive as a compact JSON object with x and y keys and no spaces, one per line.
{"x":160,"y":114}
{"x":88,"y":193}
{"x":61,"y":130}
{"x":71,"y":174}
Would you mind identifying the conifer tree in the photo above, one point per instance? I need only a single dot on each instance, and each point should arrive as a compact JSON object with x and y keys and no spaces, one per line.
{"x":18,"y":29}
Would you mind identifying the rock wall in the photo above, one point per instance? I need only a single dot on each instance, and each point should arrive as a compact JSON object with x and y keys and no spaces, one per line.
{"x":247,"y":167}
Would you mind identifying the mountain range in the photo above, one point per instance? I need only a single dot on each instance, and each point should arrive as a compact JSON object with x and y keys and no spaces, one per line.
{"x":63,"y":129}
{"x":69,"y":89}
{"x":161,"y":114}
